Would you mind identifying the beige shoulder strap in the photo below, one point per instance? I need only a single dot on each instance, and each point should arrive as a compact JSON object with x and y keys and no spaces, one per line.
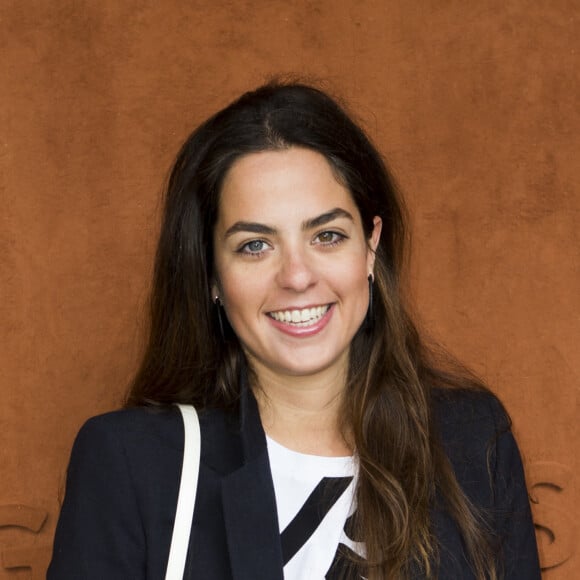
{"x":187,"y":493}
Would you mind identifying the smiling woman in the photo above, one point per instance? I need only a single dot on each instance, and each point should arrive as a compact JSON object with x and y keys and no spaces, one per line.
{"x":332,"y":443}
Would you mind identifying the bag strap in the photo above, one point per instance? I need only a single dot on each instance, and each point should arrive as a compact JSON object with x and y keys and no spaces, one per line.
{"x":187,"y":493}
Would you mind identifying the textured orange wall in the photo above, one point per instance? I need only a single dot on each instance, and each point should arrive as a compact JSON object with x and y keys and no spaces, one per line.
{"x":476,"y":105}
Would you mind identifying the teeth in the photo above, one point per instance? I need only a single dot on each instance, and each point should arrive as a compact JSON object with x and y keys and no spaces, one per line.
{"x":300,"y":317}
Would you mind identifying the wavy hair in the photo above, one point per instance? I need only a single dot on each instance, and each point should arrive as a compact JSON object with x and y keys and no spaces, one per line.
{"x":392,"y":373}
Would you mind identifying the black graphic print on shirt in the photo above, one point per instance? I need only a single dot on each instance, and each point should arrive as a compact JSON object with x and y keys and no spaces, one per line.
{"x":306,"y":521}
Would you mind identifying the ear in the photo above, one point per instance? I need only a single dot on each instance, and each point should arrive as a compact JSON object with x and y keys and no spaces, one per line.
{"x":373,"y":243}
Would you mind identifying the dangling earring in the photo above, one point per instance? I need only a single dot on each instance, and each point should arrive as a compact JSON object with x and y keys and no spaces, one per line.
{"x":218,"y":308}
{"x":370,"y":317}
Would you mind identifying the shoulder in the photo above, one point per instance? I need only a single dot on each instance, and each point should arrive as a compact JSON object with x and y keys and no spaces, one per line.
{"x":475,"y":432}
{"x":151,"y":436}
{"x":137,"y":439}
{"x":466,"y":414}
{"x":121,"y":492}
{"x":134,"y":426}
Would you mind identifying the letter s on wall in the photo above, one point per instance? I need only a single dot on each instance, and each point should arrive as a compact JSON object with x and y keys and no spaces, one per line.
{"x":555,"y":529}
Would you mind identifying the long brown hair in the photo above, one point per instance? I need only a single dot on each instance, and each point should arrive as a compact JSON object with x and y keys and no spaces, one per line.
{"x":392,"y":375}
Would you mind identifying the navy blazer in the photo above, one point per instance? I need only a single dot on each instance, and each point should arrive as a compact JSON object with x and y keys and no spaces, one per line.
{"x":123,"y":479}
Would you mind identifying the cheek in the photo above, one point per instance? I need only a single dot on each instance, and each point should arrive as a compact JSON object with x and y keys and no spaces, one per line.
{"x":233,"y":294}
{"x":350,"y":281}
{"x":353,"y":270}
{"x":240,"y":294}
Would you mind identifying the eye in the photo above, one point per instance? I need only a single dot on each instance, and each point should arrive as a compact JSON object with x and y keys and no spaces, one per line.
{"x":329,"y":238}
{"x":253,"y":247}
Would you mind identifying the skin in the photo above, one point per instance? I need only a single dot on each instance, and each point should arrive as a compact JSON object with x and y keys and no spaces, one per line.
{"x":289,"y":237}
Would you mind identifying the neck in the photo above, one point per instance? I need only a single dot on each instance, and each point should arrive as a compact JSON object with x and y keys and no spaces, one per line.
{"x":303,"y":413}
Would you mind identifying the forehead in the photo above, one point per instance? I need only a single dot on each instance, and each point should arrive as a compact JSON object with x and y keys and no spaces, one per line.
{"x":279,"y":186}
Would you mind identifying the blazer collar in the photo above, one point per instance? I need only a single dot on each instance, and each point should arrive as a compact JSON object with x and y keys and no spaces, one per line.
{"x":253,"y":438}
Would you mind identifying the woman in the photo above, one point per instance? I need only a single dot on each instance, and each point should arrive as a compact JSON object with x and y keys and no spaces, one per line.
{"x":333,"y":445}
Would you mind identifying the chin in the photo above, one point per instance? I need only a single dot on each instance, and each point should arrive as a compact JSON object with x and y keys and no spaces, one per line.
{"x":310,"y":368}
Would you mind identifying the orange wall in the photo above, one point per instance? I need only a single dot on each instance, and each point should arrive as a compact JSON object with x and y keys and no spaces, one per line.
{"x":474,"y":103}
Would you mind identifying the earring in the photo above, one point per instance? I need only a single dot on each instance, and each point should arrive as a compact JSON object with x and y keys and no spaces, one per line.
{"x":218,"y":309}
{"x":370,"y":317}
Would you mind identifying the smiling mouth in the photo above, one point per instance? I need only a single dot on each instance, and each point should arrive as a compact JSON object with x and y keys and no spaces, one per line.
{"x":300,"y":318}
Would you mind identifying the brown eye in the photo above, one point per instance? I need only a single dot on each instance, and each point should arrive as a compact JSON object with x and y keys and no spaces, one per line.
{"x":329,"y":238}
{"x":326,"y":237}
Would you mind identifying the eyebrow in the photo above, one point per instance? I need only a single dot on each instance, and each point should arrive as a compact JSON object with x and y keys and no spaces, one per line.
{"x":258,"y":228}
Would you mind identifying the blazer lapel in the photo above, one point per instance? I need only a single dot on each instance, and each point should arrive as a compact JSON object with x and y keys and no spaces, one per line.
{"x":249,"y":503}
{"x":252,"y":523}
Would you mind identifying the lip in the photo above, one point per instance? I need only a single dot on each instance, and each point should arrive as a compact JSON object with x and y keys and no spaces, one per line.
{"x":303,"y":331}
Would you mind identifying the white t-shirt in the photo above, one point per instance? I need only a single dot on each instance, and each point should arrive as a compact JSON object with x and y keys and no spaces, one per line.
{"x":314,"y":498}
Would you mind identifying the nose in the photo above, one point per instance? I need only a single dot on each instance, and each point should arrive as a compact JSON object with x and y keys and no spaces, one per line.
{"x":296,"y":271}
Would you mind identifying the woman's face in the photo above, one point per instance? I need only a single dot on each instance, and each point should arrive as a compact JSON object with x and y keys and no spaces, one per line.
{"x":291,"y":262}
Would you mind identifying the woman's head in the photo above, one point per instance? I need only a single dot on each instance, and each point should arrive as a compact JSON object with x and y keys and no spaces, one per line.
{"x":273,"y":118}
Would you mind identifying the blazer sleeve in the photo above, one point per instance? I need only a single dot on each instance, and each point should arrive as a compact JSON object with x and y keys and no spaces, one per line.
{"x":514,"y":526}
{"x":99,"y":533}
